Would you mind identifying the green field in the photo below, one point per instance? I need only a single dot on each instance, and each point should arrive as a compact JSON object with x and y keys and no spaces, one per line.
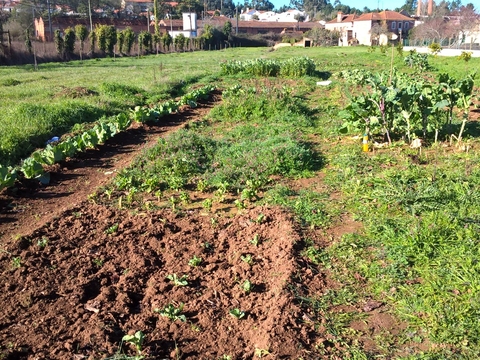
{"x":418,"y":247}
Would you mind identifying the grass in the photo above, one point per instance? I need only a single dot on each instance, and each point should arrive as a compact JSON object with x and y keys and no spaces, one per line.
{"x":417,"y":248}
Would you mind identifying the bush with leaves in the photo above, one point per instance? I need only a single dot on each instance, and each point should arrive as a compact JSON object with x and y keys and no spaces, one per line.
{"x":435,"y":48}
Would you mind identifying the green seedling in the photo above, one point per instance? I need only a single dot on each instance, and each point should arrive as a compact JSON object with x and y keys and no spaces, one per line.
{"x":112,"y":229}
{"x":158,"y":195}
{"x":256,"y":240}
{"x":184,"y":197}
{"x":136,"y":340}
{"x":207,"y":204}
{"x":202,"y":186}
{"x":240,"y":205}
{"x":16,"y":262}
{"x":207,"y":246}
{"x":247,"y":259}
{"x":173,"y":202}
{"x":98,"y":262}
{"x":195,"y":261}
{"x":248,"y":194}
{"x":173,"y":313}
{"x":247,"y":286}
{"x":237,"y":313}
{"x":109,"y":193}
{"x":43,"y":242}
{"x":260,"y":218}
{"x":182,"y":281}
{"x":226,"y":357}
{"x":261,"y":352}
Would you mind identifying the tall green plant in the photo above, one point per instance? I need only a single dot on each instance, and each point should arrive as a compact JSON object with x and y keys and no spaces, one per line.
{"x":59,"y":43}
{"x":69,"y":41}
{"x":93,"y":39}
{"x":110,"y":39}
{"x":81,"y":33}
{"x":180,"y":41}
{"x":28,"y":42}
{"x":129,"y":40}
{"x":166,"y":41}
{"x":144,"y":41}
{"x":101,"y":35}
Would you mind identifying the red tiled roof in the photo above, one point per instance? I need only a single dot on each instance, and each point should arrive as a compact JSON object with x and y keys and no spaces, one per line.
{"x":386,"y":15}
{"x":345,"y":18}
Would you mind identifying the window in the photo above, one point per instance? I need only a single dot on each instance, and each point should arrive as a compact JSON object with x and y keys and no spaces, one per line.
{"x":394,"y":25}
{"x":406,"y":26}
{"x":399,"y":26}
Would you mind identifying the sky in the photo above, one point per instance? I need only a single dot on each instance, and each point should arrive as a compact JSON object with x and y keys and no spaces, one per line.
{"x":372,"y":4}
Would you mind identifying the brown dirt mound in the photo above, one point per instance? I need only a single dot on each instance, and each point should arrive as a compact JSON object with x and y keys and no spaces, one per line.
{"x":90,"y":285}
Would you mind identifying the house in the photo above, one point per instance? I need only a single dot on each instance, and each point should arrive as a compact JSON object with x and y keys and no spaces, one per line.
{"x":365,"y":29}
{"x":250,"y":14}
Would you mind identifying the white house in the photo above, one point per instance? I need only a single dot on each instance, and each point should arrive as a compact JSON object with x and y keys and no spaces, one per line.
{"x":356,"y":29}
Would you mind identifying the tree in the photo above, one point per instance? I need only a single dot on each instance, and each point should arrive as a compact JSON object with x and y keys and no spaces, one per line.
{"x":311,"y":7}
{"x":464,"y":22}
{"x":92,"y":37}
{"x":81,"y":33}
{"x":121,"y":41}
{"x":227,"y":29}
{"x":111,"y":39}
{"x":145,"y":40}
{"x":166,"y":41}
{"x":69,"y":41}
{"x":377,"y":30}
{"x":179,"y":41}
{"x":433,"y":29}
{"x":323,"y":37}
{"x":59,"y":44}
{"x":129,"y":40}
{"x":410,"y":7}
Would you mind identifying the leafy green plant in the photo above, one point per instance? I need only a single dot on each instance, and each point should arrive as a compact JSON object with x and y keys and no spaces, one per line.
{"x":237,"y":313}
{"x":247,"y":286}
{"x":207,"y":204}
{"x":43,"y":242}
{"x":16,"y":262}
{"x":178,"y":281}
{"x":172,"y":312}
{"x":98,"y":262}
{"x":195,"y":261}
{"x":435,"y":48}
{"x":465,"y":56}
{"x":247,"y":258}
{"x":256,"y":240}
{"x":136,"y":340}
{"x":112,"y":229}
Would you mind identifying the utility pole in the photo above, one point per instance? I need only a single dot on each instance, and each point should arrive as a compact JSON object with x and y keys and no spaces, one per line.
{"x":236,"y":15}
{"x":49,"y":21}
{"x":90,"y":14}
